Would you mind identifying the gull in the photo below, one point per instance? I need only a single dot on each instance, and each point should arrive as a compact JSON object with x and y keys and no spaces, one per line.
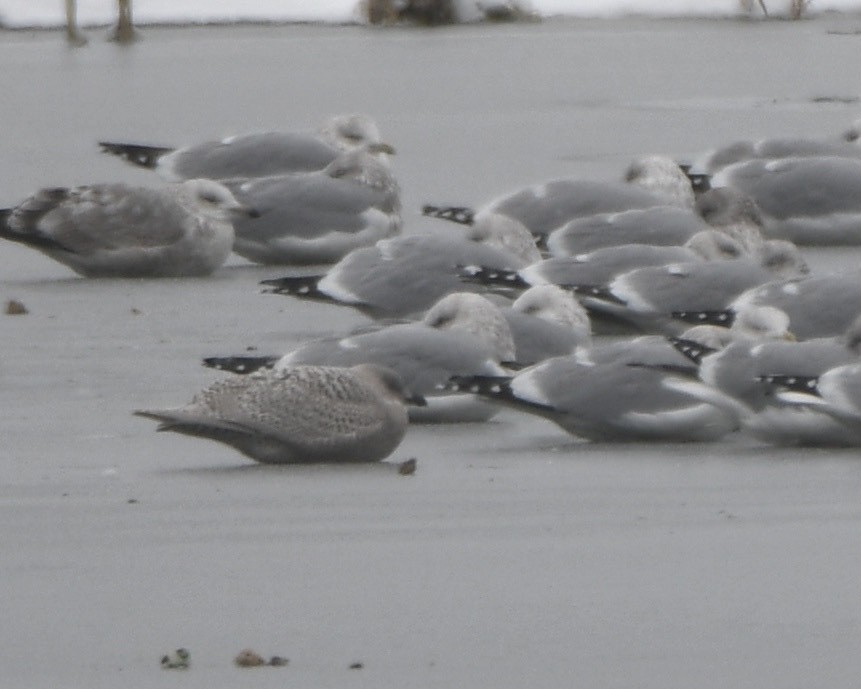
{"x":253,"y":155}
{"x":299,"y":414}
{"x":117,"y":230}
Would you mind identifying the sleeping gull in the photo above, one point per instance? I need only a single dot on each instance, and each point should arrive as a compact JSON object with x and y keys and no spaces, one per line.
{"x":601,"y":266}
{"x":728,"y":211}
{"x":115,"y":230}
{"x":299,"y":414}
{"x":814,"y":200}
{"x":783,"y":147}
{"x":404,"y":276}
{"x":649,"y":181}
{"x":608,"y":395}
{"x":547,"y":321}
{"x":254,"y":155}
{"x":818,"y":305}
{"x":836,"y":392}
{"x":461,"y":334}
{"x":662,"y":297}
{"x":318,"y":217}
{"x":742,"y":376}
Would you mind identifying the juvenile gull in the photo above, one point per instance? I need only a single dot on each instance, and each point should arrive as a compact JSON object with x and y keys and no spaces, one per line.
{"x":299,"y":414}
{"x":319,"y":217}
{"x":814,"y":200}
{"x":461,"y":334}
{"x":115,"y":230}
{"x":649,"y":181}
{"x":405,"y":276}
{"x":254,"y":155}
{"x":606,"y":393}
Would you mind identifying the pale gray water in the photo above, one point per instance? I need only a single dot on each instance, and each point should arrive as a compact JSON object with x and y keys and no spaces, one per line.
{"x":515,"y":556}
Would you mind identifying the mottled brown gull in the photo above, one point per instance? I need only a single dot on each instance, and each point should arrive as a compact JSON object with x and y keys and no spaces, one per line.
{"x":299,"y":414}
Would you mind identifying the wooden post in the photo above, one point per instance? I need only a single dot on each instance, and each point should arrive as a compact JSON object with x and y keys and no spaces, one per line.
{"x":73,"y":36}
{"x":125,"y":30}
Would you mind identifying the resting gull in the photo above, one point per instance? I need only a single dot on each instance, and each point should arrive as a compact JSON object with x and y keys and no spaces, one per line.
{"x":617,"y":395}
{"x":299,"y":414}
{"x":404,"y":276}
{"x":254,"y":155}
{"x":319,"y":217}
{"x":821,"y":305}
{"x":116,"y":230}
{"x":601,"y":266}
{"x":813,"y":200}
{"x":542,"y":208}
{"x":461,"y":334}
{"x":662,"y":298}
{"x":742,"y":376}
{"x":781,"y":147}
{"x":836,"y":392}
{"x":547,"y":321}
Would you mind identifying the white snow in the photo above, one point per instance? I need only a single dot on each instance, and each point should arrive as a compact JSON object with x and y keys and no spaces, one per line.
{"x":21,"y":13}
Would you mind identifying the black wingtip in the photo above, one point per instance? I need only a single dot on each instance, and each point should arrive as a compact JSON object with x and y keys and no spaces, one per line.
{"x":691,"y":350}
{"x":304,"y":287}
{"x":495,"y":388}
{"x":457,"y":214}
{"x":595,"y":291}
{"x":700,"y":181}
{"x":491,"y":276}
{"x":805,"y":384}
{"x":136,"y":154}
{"x":722,"y":318}
{"x":241,"y":365}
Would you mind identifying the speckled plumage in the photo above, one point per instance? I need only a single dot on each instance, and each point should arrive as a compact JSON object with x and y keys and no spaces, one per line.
{"x":117,"y":230}
{"x":299,"y":414}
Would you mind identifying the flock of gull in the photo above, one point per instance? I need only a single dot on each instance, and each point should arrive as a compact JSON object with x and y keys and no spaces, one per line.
{"x":671,"y":305}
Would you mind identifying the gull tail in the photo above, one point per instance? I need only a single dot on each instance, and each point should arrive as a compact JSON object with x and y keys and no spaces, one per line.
{"x":700,"y":181}
{"x":691,"y":350}
{"x":808,"y":385}
{"x":494,"y":388}
{"x":304,"y":287}
{"x":136,"y":154}
{"x":723,"y":318}
{"x":33,"y":238}
{"x":241,"y":365}
{"x":492,"y":277}
{"x":459,"y":214}
{"x":594,"y":291}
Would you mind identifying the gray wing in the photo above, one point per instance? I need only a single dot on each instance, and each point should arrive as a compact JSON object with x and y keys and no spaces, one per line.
{"x":550,"y":205}
{"x":249,"y":155}
{"x":307,"y":206}
{"x":602,"y":265}
{"x":422,"y":356}
{"x":798,"y":187}
{"x":817,"y":306}
{"x":658,"y":225}
{"x":407,"y":275}
{"x":699,"y":286}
